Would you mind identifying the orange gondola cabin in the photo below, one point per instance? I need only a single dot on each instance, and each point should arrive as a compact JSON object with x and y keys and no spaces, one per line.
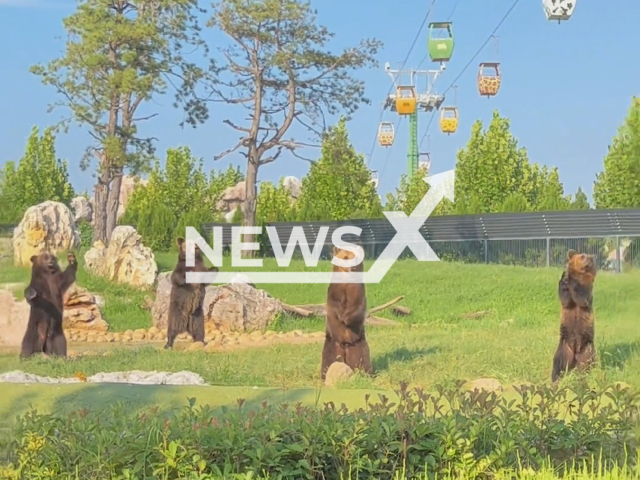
{"x":489,"y":79}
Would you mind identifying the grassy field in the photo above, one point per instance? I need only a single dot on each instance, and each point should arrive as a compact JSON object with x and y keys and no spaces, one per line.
{"x":467,"y":321}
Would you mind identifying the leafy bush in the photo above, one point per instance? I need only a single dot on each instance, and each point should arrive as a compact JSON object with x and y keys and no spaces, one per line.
{"x":86,"y":234}
{"x":177,"y":196}
{"x":338,"y":186}
{"x":39,"y":176}
{"x":452,"y":432}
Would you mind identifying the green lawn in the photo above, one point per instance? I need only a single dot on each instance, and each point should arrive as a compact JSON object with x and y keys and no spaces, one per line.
{"x":467,"y":322}
{"x":444,"y":339}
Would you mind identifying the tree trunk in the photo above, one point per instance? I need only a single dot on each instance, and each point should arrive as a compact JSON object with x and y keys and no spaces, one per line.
{"x":250,"y":201}
{"x":101,"y":197}
{"x":113,"y":202}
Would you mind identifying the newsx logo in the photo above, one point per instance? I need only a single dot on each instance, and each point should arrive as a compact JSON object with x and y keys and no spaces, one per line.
{"x":407,"y":235}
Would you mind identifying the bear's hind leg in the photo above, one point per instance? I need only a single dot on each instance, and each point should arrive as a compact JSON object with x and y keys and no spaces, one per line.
{"x":57,"y":345}
{"x":563,"y":360}
{"x":196,"y":325}
{"x":172,"y":333}
{"x":329,"y":355}
{"x":586,"y":357}
{"x":33,"y":341}
{"x":358,"y":357}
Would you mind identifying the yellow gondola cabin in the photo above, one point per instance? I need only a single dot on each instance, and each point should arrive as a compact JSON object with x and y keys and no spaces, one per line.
{"x":449,"y":120}
{"x":405,"y":100}
{"x":386,"y":134}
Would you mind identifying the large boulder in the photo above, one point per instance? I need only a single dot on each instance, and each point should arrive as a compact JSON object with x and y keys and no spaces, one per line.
{"x":240,"y":307}
{"x":129,"y":183}
{"x":125,"y":260}
{"x":48,"y":226}
{"x":236,"y":307}
{"x":82,"y":209}
{"x":82,"y":311}
{"x":232,"y":198}
{"x":293,"y":185}
{"x":160,"y":307}
{"x":14,"y":316}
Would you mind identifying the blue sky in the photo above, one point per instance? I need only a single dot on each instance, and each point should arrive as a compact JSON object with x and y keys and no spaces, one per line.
{"x":566,"y":88}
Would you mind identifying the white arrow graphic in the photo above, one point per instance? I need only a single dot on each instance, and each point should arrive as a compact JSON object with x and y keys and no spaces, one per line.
{"x":407,"y":235}
{"x":407,"y":228}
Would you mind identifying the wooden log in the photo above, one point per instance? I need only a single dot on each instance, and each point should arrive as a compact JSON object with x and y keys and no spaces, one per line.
{"x":384,"y":306}
{"x":400,"y":310}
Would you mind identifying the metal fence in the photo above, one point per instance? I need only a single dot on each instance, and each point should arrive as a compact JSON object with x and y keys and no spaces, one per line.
{"x":535,"y":239}
{"x":529,"y":239}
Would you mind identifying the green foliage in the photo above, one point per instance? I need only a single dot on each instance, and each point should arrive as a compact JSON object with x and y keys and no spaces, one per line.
{"x":580,"y":201}
{"x":86,"y":234}
{"x":552,"y":193}
{"x":174,"y":197}
{"x":238,"y":216}
{"x":494,"y":175}
{"x":338,"y":186}
{"x":274,"y":204}
{"x":515,"y":202}
{"x":618,"y":185}
{"x":122,"y":51}
{"x":410,"y":192}
{"x":452,"y":433}
{"x":38,"y":177}
{"x":119,"y":56}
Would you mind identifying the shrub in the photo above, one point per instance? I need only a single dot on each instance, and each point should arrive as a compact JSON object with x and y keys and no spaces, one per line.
{"x":451,"y":432}
{"x":86,"y":234}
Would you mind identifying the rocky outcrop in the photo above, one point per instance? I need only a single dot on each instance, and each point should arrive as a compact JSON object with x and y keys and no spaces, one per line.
{"x":129,"y":183}
{"x":337,"y":373}
{"x":238,"y":307}
{"x":14,"y":316}
{"x":293,"y":185}
{"x":82,"y":209}
{"x":48,"y":226}
{"x":82,"y":310}
{"x":232,"y":198}
{"x":126,"y":260}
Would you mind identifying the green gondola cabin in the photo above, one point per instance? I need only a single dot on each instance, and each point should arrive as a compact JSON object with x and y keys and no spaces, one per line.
{"x":440,"y":42}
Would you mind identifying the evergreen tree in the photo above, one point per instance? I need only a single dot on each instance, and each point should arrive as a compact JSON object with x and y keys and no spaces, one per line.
{"x":580,"y":201}
{"x":38,"y":177}
{"x":618,"y":185}
{"x":338,"y":186}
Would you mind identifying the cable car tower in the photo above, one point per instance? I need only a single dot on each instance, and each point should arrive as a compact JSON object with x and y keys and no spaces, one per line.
{"x":410,"y":98}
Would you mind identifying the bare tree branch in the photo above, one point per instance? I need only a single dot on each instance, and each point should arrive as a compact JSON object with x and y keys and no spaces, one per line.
{"x":241,"y":143}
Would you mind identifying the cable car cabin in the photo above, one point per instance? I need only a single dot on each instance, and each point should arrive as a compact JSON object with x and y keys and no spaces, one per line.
{"x":440,"y":41}
{"x":375,"y":178}
{"x":405,"y":100}
{"x":558,"y":9}
{"x":449,"y":120}
{"x":489,"y":79}
{"x":386,"y":134}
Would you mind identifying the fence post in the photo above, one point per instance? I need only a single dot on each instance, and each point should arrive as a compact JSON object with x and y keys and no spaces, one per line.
{"x":548,"y":252}
{"x":618,"y":259}
{"x":486,"y":251}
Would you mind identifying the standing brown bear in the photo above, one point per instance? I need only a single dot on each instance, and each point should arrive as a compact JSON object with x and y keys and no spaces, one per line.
{"x":575,"y":290}
{"x":345,"y":339}
{"x":44,"y":294}
{"x":186,"y":299}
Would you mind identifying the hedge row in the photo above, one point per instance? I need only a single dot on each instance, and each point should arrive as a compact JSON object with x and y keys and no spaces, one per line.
{"x":451,"y":432}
